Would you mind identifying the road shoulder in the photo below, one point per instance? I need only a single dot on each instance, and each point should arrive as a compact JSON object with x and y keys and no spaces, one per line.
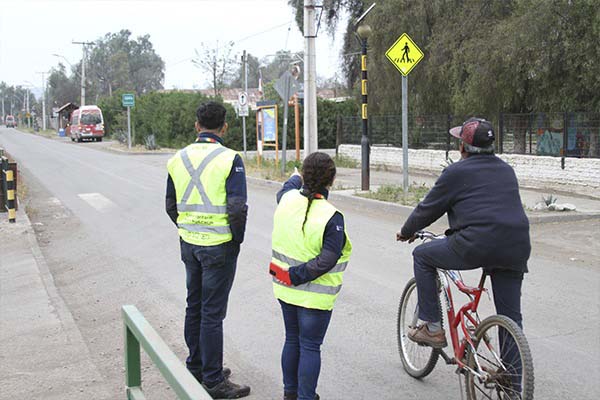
{"x":42,"y":352}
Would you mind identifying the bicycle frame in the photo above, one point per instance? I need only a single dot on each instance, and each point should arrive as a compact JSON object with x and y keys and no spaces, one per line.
{"x":466,"y":314}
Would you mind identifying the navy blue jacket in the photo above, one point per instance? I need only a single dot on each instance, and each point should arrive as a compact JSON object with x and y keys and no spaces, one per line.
{"x":485,"y":213}
{"x":334,"y":240}
{"x":235,"y":187}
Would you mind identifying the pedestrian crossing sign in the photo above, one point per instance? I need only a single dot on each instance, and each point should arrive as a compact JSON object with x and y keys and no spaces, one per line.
{"x":404,"y":54}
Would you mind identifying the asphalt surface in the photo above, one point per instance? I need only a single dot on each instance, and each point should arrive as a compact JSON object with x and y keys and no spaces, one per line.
{"x":100,"y":222}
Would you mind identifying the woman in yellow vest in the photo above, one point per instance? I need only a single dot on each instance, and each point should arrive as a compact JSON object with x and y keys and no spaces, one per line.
{"x":310,"y":252}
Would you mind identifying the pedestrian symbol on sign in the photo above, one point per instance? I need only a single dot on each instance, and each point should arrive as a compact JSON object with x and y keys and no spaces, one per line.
{"x":404,"y":54}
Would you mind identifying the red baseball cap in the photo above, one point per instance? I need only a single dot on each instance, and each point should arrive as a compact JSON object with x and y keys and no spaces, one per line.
{"x":475,"y":131}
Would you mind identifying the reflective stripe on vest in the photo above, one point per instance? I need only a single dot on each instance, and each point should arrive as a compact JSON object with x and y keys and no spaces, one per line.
{"x":340,"y":267}
{"x":207,"y":207}
{"x":314,"y":288}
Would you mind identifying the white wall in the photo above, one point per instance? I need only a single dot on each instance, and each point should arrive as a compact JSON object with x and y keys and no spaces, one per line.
{"x":580,"y":174}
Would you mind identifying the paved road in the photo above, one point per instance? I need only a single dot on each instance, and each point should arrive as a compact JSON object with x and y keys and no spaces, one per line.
{"x":100,"y":221}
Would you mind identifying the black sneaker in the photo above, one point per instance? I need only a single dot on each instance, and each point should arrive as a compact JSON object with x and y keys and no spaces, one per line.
{"x":227,"y":390}
{"x":226,"y":374}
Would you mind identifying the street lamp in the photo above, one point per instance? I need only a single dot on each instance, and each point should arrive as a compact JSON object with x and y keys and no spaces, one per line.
{"x":363,"y":31}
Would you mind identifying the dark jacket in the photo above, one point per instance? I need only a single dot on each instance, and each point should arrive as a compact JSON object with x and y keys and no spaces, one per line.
{"x":235,"y":187}
{"x":334,"y":239}
{"x":481,"y":196}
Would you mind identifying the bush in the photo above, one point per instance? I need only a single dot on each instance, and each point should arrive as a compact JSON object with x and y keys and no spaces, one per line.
{"x":170,"y":117}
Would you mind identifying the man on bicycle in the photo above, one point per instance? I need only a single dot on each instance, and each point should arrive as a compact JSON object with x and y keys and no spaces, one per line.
{"x":488,"y":228}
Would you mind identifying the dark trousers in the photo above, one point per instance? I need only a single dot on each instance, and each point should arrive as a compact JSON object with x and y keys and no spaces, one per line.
{"x":506,"y":284}
{"x":305,"y":330}
{"x":209,"y":277}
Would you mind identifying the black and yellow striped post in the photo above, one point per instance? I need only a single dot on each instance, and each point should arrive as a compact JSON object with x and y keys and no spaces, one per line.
{"x":8,"y":189}
{"x":364,"y":31}
{"x":10,"y":195}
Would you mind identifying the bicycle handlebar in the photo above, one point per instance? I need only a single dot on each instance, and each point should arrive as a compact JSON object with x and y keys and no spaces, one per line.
{"x":428,"y":235}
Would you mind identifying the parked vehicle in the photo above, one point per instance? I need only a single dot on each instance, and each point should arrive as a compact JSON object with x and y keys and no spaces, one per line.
{"x":10,"y":121}
{"x":87,"y":122}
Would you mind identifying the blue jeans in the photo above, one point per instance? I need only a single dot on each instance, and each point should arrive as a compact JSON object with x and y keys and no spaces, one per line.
{"x":305,"y":330}
{"x":209,"y":276}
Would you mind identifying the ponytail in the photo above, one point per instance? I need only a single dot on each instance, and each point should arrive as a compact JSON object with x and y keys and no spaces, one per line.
{"x":318,"y":172}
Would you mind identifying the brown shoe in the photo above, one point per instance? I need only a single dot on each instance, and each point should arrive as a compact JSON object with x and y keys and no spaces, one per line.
{"x":421,"y":335}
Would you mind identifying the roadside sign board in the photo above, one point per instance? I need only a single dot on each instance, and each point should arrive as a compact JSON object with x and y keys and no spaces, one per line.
{"x":286,"y":86}
{"x":128,"y":100}
{"x":243,"y":104}
{"x":404,"y":54}
{"x":243,"y":98}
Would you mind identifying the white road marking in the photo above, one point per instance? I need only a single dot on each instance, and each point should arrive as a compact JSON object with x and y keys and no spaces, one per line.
{"x":97,"y":201}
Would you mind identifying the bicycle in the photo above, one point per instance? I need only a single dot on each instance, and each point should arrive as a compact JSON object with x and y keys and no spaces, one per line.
{"x":492,"y":355}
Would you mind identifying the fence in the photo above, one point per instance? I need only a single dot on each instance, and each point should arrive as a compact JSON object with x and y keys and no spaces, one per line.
{"x":139,"y":331}
{"x":553,"y":134}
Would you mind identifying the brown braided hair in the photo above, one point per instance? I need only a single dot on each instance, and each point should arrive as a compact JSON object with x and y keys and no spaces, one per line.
{"x":318,"y":172}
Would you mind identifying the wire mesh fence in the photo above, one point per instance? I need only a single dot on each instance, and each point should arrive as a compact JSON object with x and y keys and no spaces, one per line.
{"x":572,"y":134}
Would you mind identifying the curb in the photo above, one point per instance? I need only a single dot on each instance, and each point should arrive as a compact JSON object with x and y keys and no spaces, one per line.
{"x":137,"y":153}
{"x":386,"y":207}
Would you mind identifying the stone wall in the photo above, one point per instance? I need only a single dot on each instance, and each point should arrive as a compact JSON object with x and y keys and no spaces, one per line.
{"x":581,"y":175}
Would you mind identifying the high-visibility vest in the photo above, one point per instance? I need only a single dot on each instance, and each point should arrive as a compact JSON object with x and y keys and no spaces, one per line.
{"x":293,"y":246}
{"x":199,"y":173}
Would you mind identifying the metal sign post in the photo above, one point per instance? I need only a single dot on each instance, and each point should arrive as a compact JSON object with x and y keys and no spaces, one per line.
{"x":405,"y":55}
{"x":128,"y":100}
{"x":285,"y":87}
{"x":405,"y":134}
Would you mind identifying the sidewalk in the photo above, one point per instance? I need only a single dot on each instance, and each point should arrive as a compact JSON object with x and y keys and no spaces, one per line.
{"x":42,"y":352}
{"x":350,"y":178}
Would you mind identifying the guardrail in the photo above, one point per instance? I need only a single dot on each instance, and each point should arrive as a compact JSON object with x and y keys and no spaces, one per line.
{"x":8,"y":199}
{"x":139,"y":331}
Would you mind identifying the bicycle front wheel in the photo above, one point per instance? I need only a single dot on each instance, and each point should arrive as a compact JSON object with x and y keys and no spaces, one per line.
{"x":418,"y":361}
{"x":502,"y":355}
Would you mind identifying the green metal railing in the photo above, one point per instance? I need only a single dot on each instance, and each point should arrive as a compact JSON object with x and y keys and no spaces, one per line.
{"x":139,"y":331}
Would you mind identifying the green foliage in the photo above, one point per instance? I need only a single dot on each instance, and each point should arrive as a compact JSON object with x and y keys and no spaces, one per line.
{"x":549,"y":199}
{"x":170,"y":117}
{"x":481,"y":57}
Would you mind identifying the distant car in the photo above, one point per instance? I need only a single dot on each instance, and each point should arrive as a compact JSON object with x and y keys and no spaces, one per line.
{"x":10,"y":121}
{"x":87,"y":122}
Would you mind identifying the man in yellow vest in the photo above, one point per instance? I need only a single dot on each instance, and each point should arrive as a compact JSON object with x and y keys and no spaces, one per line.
{"x":206,"y":199}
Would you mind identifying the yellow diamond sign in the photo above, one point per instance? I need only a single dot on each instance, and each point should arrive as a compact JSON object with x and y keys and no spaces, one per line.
{"x":404,"y":54}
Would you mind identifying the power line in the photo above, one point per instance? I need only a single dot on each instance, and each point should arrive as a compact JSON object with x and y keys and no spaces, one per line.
{"x":261,"y":32}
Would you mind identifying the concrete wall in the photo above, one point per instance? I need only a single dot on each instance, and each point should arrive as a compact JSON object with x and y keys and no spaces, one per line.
{"x":581,"y":175}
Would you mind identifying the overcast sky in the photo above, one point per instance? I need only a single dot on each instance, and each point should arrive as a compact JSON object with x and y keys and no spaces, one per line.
{"x":32,"y":30}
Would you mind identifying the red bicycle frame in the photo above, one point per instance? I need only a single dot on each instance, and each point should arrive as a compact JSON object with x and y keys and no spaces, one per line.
{"x":467,"y":313}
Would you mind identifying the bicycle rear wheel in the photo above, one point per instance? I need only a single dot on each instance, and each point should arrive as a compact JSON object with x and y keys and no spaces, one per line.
{"x":418,"y":361}
{"x":503,"y":353}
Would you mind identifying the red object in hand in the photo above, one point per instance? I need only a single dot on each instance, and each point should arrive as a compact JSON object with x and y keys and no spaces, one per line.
{"x":280,"y":274}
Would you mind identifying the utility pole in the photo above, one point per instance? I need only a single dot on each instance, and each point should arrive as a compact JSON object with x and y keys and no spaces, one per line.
{"x":310,"y":79}
{"x":43,"y":100}
{"x":83,"y":44}
{"x":28,"y":115}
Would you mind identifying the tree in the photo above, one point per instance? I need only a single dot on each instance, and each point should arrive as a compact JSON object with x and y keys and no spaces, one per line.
{"x":61,"y":88}
{"x":481,"y":56}
{"x":253,"y":68}
{"x":116,"y":62}
{"x":218,"y":62}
